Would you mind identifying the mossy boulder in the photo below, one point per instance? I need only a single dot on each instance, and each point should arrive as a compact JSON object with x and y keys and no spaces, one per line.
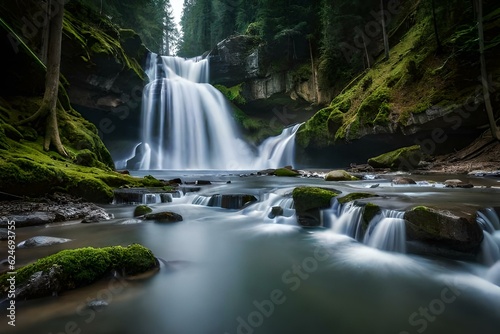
{"x":70,"y":269}
{"x":339,"y":175}
{"x":354,"y":196}
{"x":286,"y":172}
{"x":164,"y":217}
{"x":405,"y":158}
{"x":309,"y":201}
{"x":141,"y":210}
{"x":369,"y":212}
{"x":443,"y":228}
{"x":86,"y":158}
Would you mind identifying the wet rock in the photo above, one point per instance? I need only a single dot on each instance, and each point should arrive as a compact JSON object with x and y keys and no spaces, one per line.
{"x":4,"y":233}
{"x":285,"y":172}
{"x":456,"y":183}
{"x":41,"y":241}
{"x":167,"y":217}
{"x":97,"y":304}
{"x":231,"y":201}
{"x":443,"y":228}
{"x":339,"y":175}
{"x":141,"y":210}
{"x":269,"y":171}
{"x":203,"y":183}
{"x":41,"y":284}
{"x":30,"y":219}
{"x":309,"y":201}
{"x":96,"y":217}
{"x":403,"y":180}
{"x":276,"y":211}
{"x":405,"y":158}
{"x":355,"y":196}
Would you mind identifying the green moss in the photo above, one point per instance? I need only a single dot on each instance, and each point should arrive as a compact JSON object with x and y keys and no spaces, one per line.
{"x":373,"y":105}
{"x":404,"y":158}
{"x":84,"y":266}
{"x":285,"y":172}
{"x":354,"y":196}
{"x":339,"y":175}
{"x":151,"y":181}
{"x":315,"y":131}
{"x":233,"y":94}
{"x":141,"y":210}
{"x":370,"y":210}
{"x":306,"y":198}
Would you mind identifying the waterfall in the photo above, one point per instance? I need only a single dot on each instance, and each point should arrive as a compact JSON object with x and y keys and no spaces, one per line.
{"x":187,"y":124}
{"x":389,"y":234}
{"x":385,"y":231}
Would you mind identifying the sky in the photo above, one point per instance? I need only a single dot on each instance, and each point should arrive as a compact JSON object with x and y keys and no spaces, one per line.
{"x":177,"y":8}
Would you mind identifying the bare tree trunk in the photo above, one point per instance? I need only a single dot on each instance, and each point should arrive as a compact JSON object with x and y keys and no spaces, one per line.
{"x":369,"y":65}
{"x":313,"y":72}
{"x":384,"y":32}
{"x":484,"y":74}
{"x":48,"y":108}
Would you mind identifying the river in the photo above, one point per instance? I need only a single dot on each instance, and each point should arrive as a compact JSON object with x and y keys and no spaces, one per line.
{"x":238,"y":271}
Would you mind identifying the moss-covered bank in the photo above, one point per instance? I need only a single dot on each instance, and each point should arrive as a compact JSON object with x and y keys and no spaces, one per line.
{"x":79,"y":267}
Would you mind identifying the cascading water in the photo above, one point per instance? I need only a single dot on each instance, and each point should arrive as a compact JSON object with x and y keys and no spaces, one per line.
{"x":386,"y":231}
{"x":187,"y":124}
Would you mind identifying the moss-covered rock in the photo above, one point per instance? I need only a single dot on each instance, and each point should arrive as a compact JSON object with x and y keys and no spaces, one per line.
{"x":86,"y":158}
{"x":70,"y":269}
{"x":339,"y":175}
{"x":369,"y":212}
{"x":443,"y":228}
{"x":354,"y":196}
{"x":141,"y":210}
{"x":406,"y":158}
{"x":164,"y":217}
{"x":286,"y":172}
{"x":309,"y":201}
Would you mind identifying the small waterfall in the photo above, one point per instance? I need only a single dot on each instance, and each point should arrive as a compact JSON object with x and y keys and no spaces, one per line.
{"x":350,"y":223}
{"x":390,"y":235}
{"x":278,"y":151}
{"x":489,"y":222}
{"x":385,"y":231}
{"x":188,"y":124}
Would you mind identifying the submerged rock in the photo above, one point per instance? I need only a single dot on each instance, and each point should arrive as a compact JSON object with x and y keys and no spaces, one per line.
{"x":97,"y":304}
{"x":4,"y":233}
{"x":276,"y":211}
{"x":40,"y":241}
{"x":456,"y":183}
{"x":443,"y":228}
{"x":309,"y":201}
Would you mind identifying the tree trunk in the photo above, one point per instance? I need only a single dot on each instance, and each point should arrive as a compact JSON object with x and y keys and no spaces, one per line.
{"x":313,"y":72}
{"x":48,"y":108}
{"x":484,"y":74}
{"x":368,"y":64}
{"x":436,"y":32}
{"x":384,"y":32}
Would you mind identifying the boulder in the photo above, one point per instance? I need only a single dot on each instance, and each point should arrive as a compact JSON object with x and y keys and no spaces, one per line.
{"x":309,"y":201}
{"x":405,"y":158}
{"x":443,"y":228}
{"x":286,"y":172}
{"x":30,"y":219}
{"x":456,"y":183}
{"x":164,"y":217}
{"x":276,"y":211}
{"x":141,"y":210}
{"x":403,"y":180}
{"x":355,"y":196}
{"x":74,"y":268}
{"x":40,"y":241}
{"x":339,"y":175}
{"x":97,"y":216}
{"x":97,"y":304}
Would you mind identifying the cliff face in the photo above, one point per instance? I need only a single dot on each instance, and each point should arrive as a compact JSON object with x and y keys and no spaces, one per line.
{"x":242,"y":60}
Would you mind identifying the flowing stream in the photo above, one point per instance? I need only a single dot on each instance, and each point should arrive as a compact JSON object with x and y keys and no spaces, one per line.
{"x":188,"y":124}
{"x":248,"y":271}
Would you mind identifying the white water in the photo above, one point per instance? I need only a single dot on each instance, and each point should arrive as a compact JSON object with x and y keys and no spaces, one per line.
{"x":386,"y":231}
{"x":187,"y":123}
